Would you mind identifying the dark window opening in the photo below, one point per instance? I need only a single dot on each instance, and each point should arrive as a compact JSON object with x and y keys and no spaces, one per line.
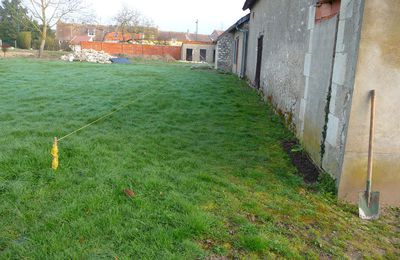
{"x":189,"y":54}
{"x":203,"y":54}
{"x":214,"y":55}
{"x":257,"y":79}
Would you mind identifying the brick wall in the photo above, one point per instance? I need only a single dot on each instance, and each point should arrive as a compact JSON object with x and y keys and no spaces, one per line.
{"x":134,"y":49}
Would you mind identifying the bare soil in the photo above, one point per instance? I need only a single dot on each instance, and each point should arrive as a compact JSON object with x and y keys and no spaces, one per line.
{"x":305,"y":166}
{"x":19,"y":53}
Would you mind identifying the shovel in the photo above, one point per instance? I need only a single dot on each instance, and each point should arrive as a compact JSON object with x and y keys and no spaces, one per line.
{"x":368,"y":205}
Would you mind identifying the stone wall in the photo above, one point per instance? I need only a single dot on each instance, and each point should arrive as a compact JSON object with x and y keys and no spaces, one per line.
{"x":224,"y":54}
{"x":284,"y":26}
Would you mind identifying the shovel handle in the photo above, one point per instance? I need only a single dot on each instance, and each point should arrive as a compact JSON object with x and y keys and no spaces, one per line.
{"x":371,"y":146}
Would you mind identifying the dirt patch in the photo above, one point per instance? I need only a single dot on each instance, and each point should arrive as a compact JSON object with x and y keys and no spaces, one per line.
{"x":19,"y":53}
{"x":305,"y":167}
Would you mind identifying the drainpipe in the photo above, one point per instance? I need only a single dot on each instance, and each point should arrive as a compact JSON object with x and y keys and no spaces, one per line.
{"x":244,"y":51}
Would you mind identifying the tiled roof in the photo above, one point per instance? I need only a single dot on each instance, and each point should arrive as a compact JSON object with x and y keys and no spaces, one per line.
{"x":181,"y":36}
{"x":78,"y":39}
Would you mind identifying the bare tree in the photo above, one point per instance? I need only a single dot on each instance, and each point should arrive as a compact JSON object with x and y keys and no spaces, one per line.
{"x":50,"y":12}
{"x":127,"y":19}
{"x":149,"y":28}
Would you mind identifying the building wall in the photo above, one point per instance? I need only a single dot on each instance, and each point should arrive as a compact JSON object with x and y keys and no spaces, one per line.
{"x":283,"y":24}
{"x":318,"y":73}
{"x":210,"y":48}
{"x":224,"y":54}
{"x":346,"y":57}
{"x":241,"y":64}
{"x":237,"y":39}
{"x":308,"y":71}
{"x":67,"y":31}
{"x":378,"y":68}
{"x":329,"y":70}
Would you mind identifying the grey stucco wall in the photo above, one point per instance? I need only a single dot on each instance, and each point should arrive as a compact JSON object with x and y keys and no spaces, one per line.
{"x":343,"y":78}
{"x":238,"y":66}
{"x":283,"y":24}
{"x":316,"y":94}
{"x":224,"y":53}
{"x":196,"y":51}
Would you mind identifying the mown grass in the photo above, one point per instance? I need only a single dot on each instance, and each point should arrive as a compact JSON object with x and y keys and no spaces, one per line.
{"x":202,"y":153}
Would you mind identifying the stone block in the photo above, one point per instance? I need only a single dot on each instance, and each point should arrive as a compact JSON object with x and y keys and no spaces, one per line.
{"x":339,"y":68}
{"x":340,"y":37}
{"x":307,"y":65}
{"x":332,"y":131}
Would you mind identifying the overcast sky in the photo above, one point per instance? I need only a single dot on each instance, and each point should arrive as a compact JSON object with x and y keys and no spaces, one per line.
{"x":177,"y":15}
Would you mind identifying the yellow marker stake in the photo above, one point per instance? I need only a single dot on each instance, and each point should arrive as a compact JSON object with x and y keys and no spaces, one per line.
{"x":54,"y":153}
{"x":54,"y":150}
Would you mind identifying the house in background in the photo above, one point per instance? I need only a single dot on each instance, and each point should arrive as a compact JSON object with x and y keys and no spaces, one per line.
{"x":194,"y":47}
{"x":317,"y":61}
{"x":198,"y":51}
{"x":178,"y":38}
{"x":231,"y":48}
{"x":65,"y":32}
{"x":75,"y":43}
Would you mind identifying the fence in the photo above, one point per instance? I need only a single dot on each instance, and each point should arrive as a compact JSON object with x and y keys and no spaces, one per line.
{"x":134,"y":49}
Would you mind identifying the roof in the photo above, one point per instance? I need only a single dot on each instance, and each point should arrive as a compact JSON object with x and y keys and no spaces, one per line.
{"x":249,"y":4}
{"x":198,"y":42}
{"x":200,"y":37}
{"x":216,"y":33}
{"x":241,"y":21}
{"x":67,"y":31}
{"x":78,"y":39}
{"x":181,"y":36}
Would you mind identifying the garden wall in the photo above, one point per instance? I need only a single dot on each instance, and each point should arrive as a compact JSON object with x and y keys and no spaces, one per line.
{"x":134,"y":49}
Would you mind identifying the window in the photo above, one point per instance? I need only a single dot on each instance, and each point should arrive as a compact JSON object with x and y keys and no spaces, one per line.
{"x":214,"y":55}
{"x":203,"y":54}
{"x":91,"y":33}
{"x":189,"y":54}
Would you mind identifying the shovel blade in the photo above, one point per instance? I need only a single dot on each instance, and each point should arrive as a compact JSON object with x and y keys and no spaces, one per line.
{"x":372,"y":212}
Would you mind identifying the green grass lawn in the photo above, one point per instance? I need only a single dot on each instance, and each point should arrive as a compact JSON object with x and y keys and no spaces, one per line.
{"x":202,"y":153}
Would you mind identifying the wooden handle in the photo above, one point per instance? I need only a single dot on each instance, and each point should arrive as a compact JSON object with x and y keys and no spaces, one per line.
{"x":371,"y":145}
